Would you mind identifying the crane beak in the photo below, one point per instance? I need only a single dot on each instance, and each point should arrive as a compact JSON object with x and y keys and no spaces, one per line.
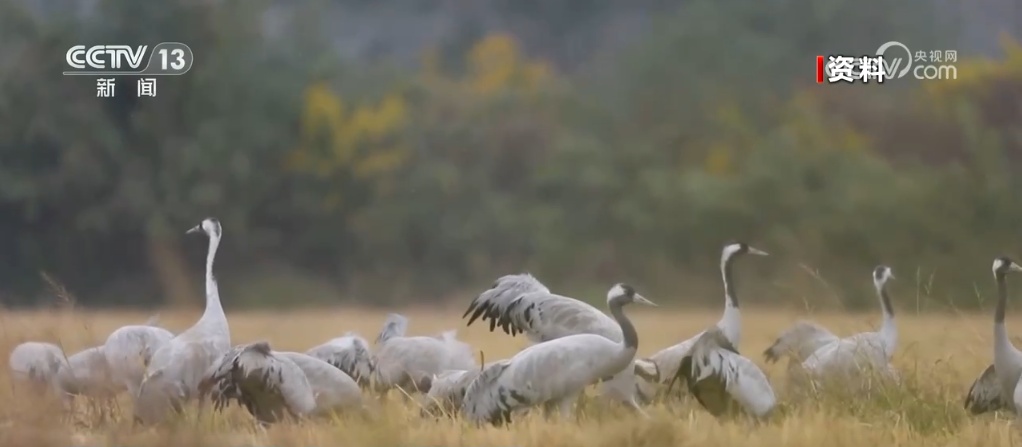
{"x":756,"y":251}
{"x":194,"y":229}
{"x":642,"y":300}
{"x":1015,"y":267}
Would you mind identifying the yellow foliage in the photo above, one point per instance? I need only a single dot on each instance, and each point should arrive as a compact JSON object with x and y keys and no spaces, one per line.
{"x":360,"y":141}
{"x":977,"y":74}
{"x":535,"y":74}
{"x":380,"y":161}
{"x":719,"y":160}
{"x":729,"y":115}
{"x":801,"y":119}
{"x":295,"y":159}
{"x":322,"y":109}
{"x":809,"y":130}
{"x":494,"y":64}
{"x":734,"y":132}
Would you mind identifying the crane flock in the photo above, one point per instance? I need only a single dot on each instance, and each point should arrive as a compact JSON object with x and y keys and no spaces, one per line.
{"x":573,"y":346}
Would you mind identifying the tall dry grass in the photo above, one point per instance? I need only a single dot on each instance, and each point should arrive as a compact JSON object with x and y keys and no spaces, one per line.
{"x":938,"y":356}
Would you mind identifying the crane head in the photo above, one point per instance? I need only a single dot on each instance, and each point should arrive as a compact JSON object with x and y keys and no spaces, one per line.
{"x":882,"y":274}
{"x":740,"y":248}
{"x":626,"y":294}
{"x":209,"y":225}
{"x":1004,"y":265}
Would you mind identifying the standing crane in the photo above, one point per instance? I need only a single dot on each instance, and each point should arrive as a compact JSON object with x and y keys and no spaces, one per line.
{"x":520,"y":304}
{"x":668,"y":360}
{"x":177,"y":367}
{"x":998,"y":387}
{"x":555,"y":372}
{"x":850,"y":356}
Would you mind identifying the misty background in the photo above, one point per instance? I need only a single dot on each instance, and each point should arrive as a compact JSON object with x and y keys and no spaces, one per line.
{"x":397,"y":151}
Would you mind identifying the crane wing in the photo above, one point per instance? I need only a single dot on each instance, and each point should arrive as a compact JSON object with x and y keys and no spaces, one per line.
{"x":668,"y":360}
{"x":486,"y":400}
{"x":447,"y":391}
{"x":459,"y":353}
{"x":350,"y":354}
{"x":799,"y":341}
{"x":158,"y":394}
{"x":722,"y":380}
{"x":521,"y":304}
{"x":849,"y":356}
{"x":36,"y":361}
{"x":647,"y":369}
{"x":494,"y":303}
{"x":268,"y":385}
{"x":332,"y":388}
{"x":396,"y":325}
{"x":174,"y":375}
{"x":154,"y":320}
{"x":129,"y":351}
{"x":985,"y":394}
{"x":495,"y":300}
{"x":87,"y":372}
{"x":411,"y":362}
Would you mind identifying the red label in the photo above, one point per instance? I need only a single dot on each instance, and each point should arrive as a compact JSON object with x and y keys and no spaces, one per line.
{"x":819,"y":69}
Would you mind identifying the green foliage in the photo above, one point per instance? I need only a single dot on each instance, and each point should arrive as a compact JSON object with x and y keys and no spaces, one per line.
{"x":388,"y":183}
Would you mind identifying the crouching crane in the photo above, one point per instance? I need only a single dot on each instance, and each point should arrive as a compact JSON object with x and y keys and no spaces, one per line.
{"x":349,"y":353}
{"x":37,"y":364}
{"x":410,"y":363}
{"x":129,"y":349}
{"x":275,"y":385}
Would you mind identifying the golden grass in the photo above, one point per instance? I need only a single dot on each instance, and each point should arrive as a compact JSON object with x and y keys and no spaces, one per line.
{"x":938,"y":356}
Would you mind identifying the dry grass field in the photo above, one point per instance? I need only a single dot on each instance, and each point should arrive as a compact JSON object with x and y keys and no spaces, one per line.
{"x":938,"y":356}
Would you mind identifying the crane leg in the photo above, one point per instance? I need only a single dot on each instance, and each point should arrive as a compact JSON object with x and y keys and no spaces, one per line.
{"x":105,"y":404}
{"x":635,"y":405}
{"x":559,"y":407}
{"x":548,"y":409}
{"x":132,"y":389}
{"x":67,"y":404}
{"x":565,"y":405}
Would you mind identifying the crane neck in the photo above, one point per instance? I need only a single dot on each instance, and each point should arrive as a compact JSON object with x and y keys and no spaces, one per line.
{"x":885,"y":301}
{"x":731,"y":322}
{"x":213,"y":307}
{"x":730,"y":294}
{"x":630,"y":337}
{"x":1000,"y":333}
{"x":888,"y":330}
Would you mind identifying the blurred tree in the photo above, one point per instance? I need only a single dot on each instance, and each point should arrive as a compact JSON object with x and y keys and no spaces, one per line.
{"x":353,"y":154}
{"x":144,"y":169}
{"x":368,"y":179}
